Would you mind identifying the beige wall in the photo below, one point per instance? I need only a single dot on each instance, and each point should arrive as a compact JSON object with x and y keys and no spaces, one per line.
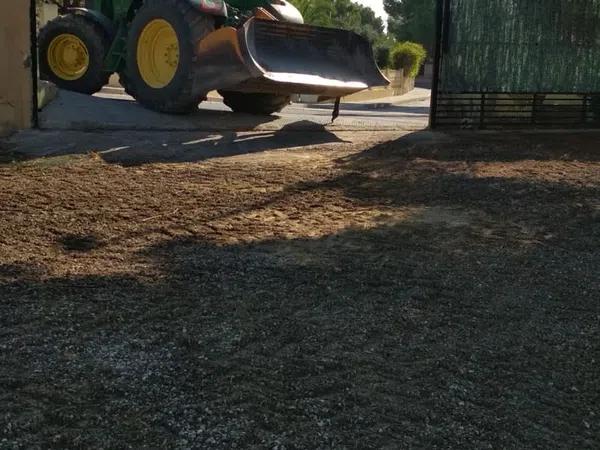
{"x":15,"y":72}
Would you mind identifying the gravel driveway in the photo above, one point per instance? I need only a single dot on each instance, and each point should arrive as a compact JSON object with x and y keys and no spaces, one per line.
{"x":406,"y":291}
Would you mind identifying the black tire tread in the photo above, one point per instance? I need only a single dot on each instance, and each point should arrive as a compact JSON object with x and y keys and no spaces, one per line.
{"x":187,"y":98}
{"x":97,"y":43}
{"x":254,"y":103}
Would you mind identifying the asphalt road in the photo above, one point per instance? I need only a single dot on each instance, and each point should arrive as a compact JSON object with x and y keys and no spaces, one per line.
{"x":374,"y":114}
{"x":112,"y":110}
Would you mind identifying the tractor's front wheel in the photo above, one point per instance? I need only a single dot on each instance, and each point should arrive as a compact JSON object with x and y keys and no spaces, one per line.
{"x":161,"y":63}
{"x":254,"y":103}
{"x":72,"y":51}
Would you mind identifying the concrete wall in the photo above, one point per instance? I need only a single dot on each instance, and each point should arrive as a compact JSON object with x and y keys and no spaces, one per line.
{"x":399,"y":85}
{"x":15,"y":72}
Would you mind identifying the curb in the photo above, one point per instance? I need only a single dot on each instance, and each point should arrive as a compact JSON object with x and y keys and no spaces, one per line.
{"x":373,"y":104}
{"x":411,"y":100}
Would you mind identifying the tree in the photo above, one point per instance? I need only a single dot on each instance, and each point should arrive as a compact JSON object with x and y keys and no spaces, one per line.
{"x":315,"y":12}
{"x":342,"y":14}
{"x":412,"y":20}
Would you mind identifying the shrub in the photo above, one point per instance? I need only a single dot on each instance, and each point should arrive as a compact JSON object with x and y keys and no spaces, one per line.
{"x":409,"y":56}
{"x":381,"y":48}
{"x":382,"y":56}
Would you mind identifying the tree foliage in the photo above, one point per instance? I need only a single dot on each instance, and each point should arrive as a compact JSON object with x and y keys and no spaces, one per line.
{"x":343,"y":14}
{"x":350,"y":16}
{"x":412,"y":20}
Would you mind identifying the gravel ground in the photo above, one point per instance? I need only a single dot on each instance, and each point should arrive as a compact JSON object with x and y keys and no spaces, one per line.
{"x":424,"y":292}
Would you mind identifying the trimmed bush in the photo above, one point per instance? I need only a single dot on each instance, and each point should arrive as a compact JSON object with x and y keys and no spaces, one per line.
{"x":409,"y":56}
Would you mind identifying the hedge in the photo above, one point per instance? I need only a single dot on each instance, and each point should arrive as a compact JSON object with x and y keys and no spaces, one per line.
{"x":409,"y":56}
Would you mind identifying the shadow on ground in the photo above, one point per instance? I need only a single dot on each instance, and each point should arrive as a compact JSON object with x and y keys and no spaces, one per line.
{"x":473,"y":147}
{"x":138,"y":148}
{"x":72,"y":111}
{"x":469,"y":320}
{"x":377,"y":338}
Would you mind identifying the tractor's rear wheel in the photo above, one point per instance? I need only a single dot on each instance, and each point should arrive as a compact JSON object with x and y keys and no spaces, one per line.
{"x":255,"y":103}
{"x":161,"y":62}
{"x":72,"y":51}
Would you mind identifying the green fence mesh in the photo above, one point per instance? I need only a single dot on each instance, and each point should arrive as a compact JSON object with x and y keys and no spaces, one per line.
{"x":522,"y":46}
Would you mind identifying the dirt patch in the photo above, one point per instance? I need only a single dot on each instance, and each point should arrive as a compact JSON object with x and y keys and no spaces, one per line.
{"x":419,"y":292}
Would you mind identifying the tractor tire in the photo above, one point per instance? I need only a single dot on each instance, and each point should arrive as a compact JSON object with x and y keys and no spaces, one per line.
{"x":255,"y":103}
{"x":161,"y":63}
{"x":71,"y":54}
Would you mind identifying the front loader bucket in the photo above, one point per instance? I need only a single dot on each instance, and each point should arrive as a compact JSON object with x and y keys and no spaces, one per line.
{"x":284,"y":58}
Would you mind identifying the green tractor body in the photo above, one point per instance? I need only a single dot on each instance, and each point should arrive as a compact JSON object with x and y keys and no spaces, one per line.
{"x":171,"y":53}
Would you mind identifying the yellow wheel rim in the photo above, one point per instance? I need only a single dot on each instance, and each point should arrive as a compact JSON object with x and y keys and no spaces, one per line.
{"x":158,"y":53}
{"x":68,"y":57}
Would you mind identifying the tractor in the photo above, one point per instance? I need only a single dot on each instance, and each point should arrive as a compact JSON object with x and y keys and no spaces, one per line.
{"x":170,"y":53}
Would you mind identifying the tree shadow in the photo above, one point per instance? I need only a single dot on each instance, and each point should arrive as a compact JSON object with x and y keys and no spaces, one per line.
{"x":366,"y":330}
{"x":523,"y":188}
{"x":19,"y":271}
{"x":392,"y":334}
{"x":523,"y":179}
{"x":487,"y":147}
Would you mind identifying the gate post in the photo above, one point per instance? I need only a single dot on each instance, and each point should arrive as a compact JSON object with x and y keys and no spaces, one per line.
{"x":18,"y":62}
{"x":442,"y":8}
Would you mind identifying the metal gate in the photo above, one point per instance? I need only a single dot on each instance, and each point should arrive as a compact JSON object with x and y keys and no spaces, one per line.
{"x":517,"y":63}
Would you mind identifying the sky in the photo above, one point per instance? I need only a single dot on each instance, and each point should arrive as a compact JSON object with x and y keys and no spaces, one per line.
{"x":375,"y":5}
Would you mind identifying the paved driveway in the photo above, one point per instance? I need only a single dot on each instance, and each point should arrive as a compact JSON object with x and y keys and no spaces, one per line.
{"x":119,"y":112}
